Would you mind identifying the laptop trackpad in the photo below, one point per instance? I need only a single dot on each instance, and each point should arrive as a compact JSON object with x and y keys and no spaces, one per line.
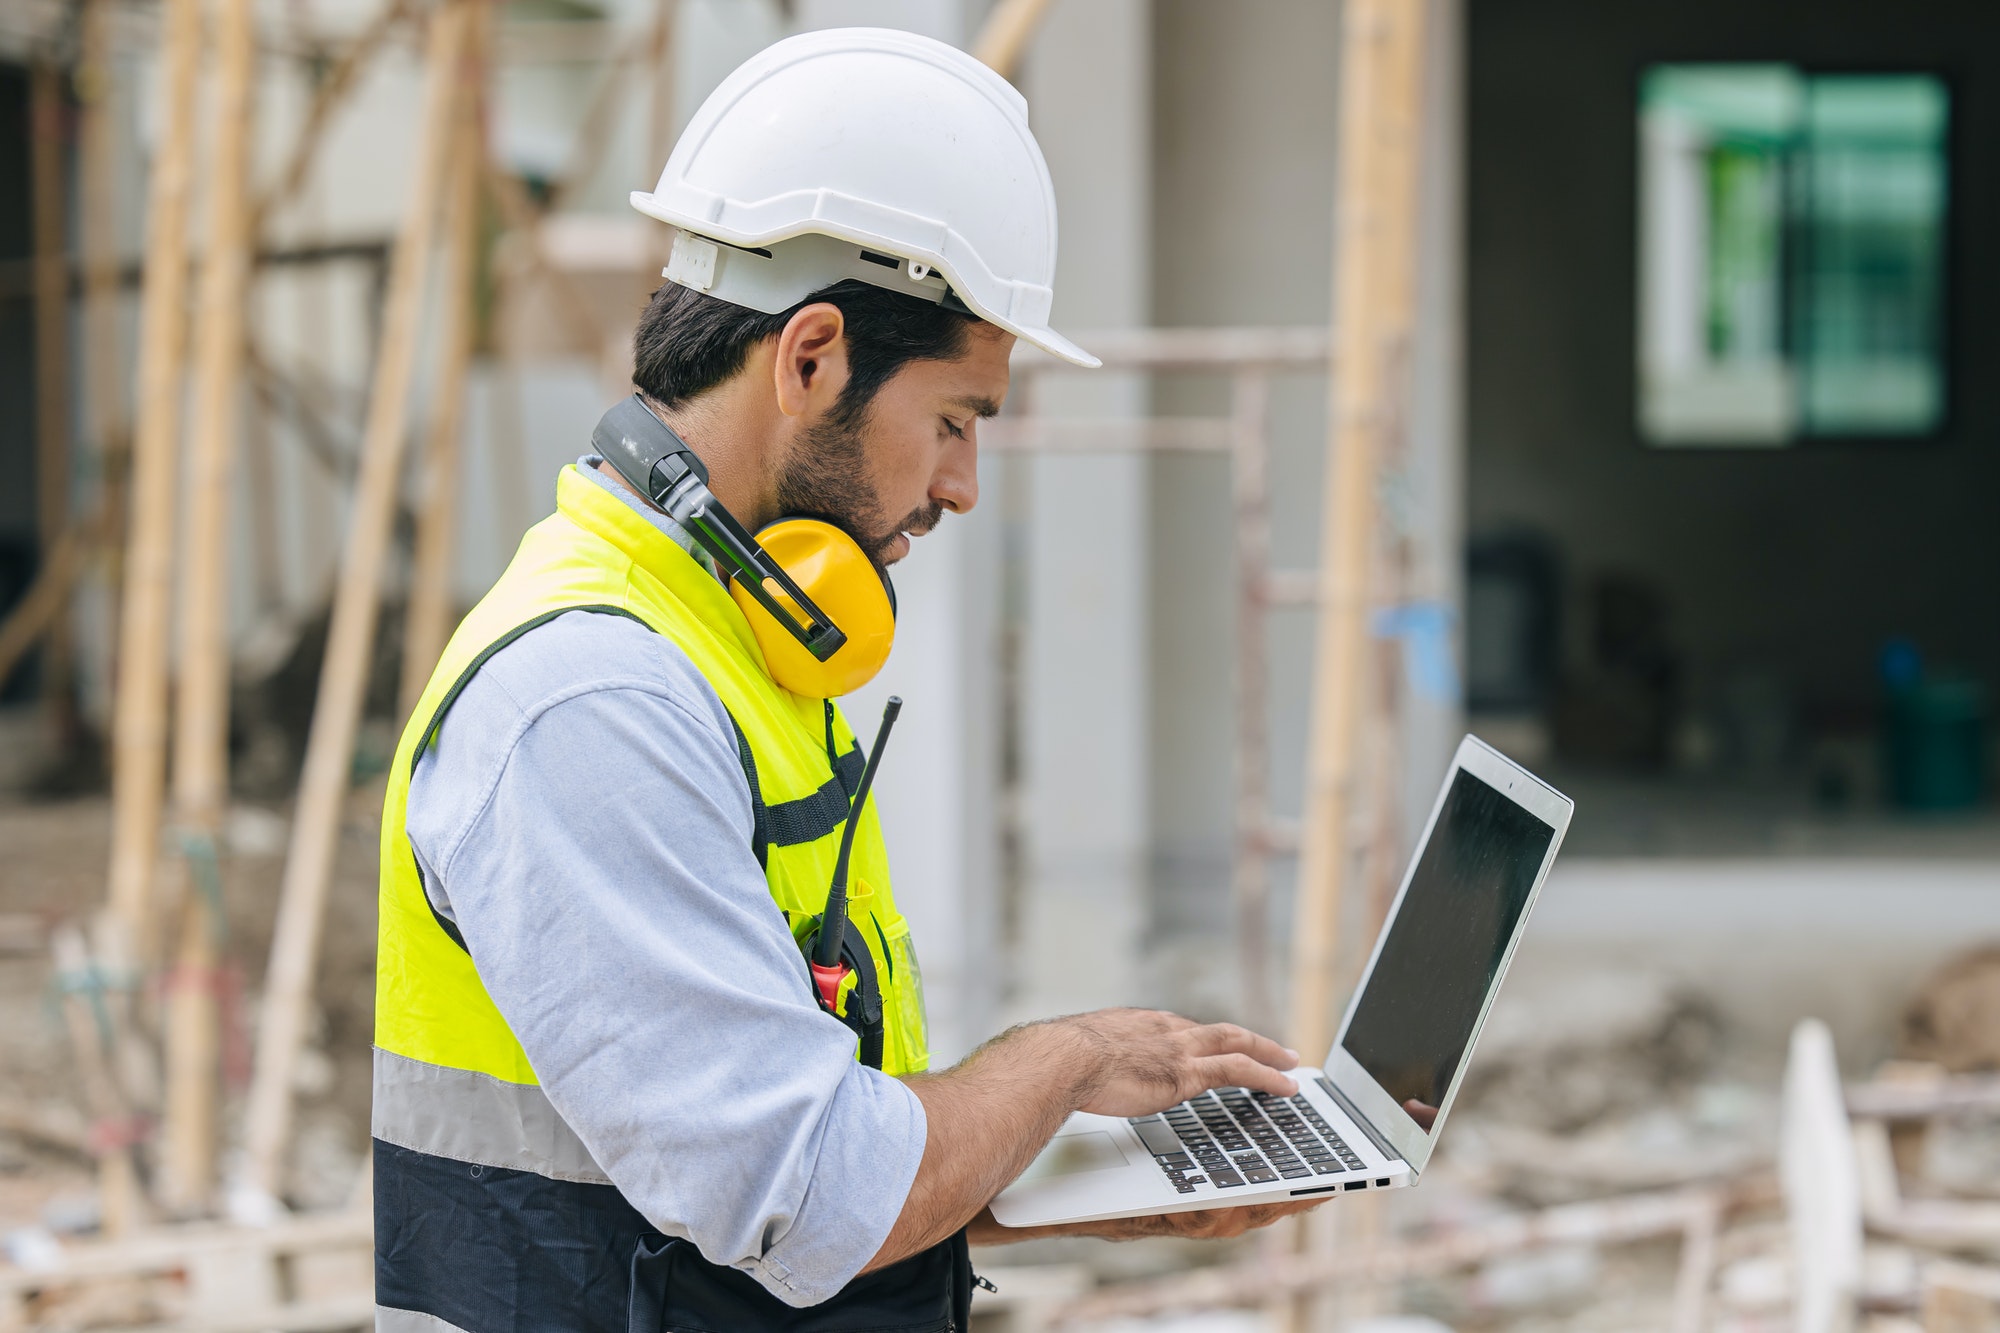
{"x":1074,"y":1154}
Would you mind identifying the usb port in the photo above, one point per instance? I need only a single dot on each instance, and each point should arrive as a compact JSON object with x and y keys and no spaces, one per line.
{"x":1355,"y":1185}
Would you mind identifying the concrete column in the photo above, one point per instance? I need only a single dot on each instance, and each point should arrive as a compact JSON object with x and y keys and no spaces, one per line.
{"x":1086,"y":670}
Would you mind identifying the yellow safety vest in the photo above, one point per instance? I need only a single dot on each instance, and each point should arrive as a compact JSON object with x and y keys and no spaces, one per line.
{"x":489,"y":1210}
{"x":596,"y":552}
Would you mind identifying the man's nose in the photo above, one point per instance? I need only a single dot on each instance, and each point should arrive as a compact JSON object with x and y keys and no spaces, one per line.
{"x":956,"y":483}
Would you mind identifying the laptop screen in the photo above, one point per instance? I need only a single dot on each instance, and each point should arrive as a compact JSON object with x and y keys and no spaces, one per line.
{"x":1412,"y":1024}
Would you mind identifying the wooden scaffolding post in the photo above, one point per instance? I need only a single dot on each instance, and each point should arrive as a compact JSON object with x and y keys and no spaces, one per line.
{"x":344,"y":676}
{"x":427,"y":620}
{"x":1375,"y":211}
{"x":1375,"y":218}
{"x":201,"y":715}
{"x":1003,"y":39}
{"x":51,"y":287}
{"x":97,"y":216}
{"x":139,"y":712}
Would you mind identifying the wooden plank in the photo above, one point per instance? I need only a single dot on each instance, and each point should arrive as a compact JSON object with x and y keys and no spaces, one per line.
{"x":333,"y":1315}
{"x":1599,"y":1222}
{"x":1697,"y":1267}
{"x":170,"y":1249}
{"x":139,"y":713}
{"x":343,"y":681}
{"x":1972,"y":1094}
{"x":1960,"y":1298}
{"x":201,"y":736}
{"x":221,"y":1281}
{"x":1822,"y":1186}
{"x":427,"y":618}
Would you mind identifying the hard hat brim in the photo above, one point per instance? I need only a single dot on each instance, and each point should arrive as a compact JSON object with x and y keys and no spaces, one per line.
{"x":1038,"y":334}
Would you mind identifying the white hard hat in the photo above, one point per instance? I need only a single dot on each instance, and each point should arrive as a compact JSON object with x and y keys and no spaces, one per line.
{"x":873,"y":154}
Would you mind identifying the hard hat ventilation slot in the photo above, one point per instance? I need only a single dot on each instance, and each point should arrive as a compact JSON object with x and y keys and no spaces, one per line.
{"x":884,"y":260}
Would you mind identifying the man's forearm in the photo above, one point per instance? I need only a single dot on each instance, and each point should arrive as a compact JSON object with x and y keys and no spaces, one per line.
{"x":987,"y":1117}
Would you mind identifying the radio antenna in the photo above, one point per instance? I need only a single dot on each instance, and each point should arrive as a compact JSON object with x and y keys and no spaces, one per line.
{"x":833,"y":922}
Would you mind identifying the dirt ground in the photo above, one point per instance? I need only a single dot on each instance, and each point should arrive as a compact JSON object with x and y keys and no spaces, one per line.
{"x":52,"y":870}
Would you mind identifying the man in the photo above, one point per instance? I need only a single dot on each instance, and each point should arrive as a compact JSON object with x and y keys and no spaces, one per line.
{"x":606,"y":1095}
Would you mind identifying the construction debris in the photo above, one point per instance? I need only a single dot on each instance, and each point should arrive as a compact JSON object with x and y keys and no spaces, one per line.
{"x":1955,"y":1020}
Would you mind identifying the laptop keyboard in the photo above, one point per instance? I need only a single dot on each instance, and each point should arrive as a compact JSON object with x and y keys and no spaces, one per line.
{"x":1232,"y":1136}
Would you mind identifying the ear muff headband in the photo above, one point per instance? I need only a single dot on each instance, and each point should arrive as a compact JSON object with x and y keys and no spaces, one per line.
{"x":805,"y":649}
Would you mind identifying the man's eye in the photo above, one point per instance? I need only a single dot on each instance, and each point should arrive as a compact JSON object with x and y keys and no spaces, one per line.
{"x":956,"y":432}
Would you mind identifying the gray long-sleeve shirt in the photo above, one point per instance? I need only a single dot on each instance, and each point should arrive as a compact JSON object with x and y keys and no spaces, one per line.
{"x":585,"y":822}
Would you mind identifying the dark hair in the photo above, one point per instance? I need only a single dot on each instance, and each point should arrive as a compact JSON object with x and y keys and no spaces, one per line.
{"x":688,"y":341}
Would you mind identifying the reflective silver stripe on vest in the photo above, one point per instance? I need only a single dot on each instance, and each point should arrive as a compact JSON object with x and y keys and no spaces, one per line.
{"x":388,"y":1319}
{"x":472,"y":1117}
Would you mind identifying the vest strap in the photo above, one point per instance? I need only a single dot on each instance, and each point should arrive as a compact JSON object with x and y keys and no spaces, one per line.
{"x":810,"y":818}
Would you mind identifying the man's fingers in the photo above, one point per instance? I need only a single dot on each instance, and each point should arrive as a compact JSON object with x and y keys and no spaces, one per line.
{"x":1228,"y":1038}
{"x":1217,"y":1223}
{"x":1240,"y":1071}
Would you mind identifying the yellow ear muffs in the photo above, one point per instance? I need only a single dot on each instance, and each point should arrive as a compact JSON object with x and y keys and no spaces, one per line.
{"x":831,"y":568}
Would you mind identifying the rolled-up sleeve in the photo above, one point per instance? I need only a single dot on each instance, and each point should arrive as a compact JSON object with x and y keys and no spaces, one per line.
{"x":593,"y":847}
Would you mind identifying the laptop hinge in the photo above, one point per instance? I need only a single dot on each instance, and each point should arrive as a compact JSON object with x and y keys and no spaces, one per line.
{"x":1353,"y":1113}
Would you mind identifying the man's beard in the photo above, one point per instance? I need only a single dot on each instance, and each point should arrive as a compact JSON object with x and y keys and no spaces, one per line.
{"x":827,"y":479}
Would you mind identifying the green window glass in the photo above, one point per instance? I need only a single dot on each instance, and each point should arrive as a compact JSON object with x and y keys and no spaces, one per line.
{"x":1791,"y":254}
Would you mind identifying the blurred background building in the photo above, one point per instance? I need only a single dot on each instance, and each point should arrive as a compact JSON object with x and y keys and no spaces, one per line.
{"x":1693,"y":510}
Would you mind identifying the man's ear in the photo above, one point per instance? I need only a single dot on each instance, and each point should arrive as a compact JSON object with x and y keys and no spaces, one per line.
{"x":810,"y":368}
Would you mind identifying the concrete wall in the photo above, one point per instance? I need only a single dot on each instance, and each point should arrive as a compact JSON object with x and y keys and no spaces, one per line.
{"x":1799,"y":561}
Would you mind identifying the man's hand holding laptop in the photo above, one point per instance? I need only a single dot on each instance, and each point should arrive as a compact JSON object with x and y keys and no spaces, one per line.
{"x":1137,"y":1062}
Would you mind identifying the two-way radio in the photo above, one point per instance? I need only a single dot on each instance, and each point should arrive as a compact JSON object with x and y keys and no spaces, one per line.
{"x":834,"y":948}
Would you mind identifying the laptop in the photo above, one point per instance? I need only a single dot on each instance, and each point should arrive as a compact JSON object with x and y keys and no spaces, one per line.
{"x":1370,"y":1116}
